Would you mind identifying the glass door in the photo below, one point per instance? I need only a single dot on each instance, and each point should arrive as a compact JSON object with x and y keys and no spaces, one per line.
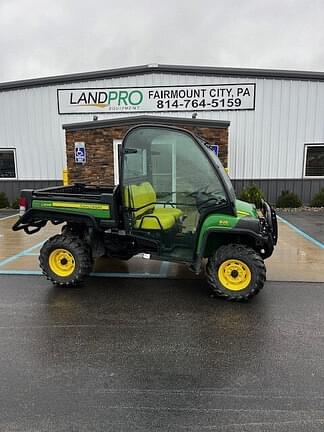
{"x":164,"y":170}
{"x":169,"y":184}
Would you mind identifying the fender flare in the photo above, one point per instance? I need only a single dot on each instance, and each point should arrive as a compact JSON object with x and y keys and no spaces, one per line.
{"x":235,"y":231}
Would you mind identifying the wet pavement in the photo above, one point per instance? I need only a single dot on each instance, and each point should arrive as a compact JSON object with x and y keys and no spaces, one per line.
{"x":146,"y":349}
{"x":311,"y":222}
{"x":157,"y":355}
{"x":296,"y":258}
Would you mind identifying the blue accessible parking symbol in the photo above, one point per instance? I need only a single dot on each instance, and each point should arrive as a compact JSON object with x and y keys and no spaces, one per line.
{"x":215,"y":148}
{"x":79,"y":152}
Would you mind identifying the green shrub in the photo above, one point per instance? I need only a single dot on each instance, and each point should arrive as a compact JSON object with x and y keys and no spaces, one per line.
{"x":253,"y":194}
{"x":15,"y":204}
{"x":3,"y":200}
{"x":288,"y":200}
{"x":318,"y":199}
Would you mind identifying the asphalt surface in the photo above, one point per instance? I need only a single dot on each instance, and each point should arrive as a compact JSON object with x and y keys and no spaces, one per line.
{"x":6,"y":213}
{"x":158,"y":355}
{"x":311,"y":222}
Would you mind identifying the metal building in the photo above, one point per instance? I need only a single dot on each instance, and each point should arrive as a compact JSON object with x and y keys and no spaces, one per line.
{"x":275,"y":117}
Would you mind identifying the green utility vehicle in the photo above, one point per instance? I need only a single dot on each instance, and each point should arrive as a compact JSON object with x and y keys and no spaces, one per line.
{"x":174,"y":202}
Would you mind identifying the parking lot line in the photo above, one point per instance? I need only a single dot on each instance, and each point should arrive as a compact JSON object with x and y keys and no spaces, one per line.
{"x":20,"y":254}
{"x":302,"y":233}
{"x":130,"y":275}
{"x":164,"y":269}
{"x":21,"y":272}
{"x":8,"y":217}
{"x":163,"y":273}
{"x":95,"y":274}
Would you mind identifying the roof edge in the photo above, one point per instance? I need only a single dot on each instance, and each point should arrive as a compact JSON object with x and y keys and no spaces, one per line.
{"x":146,"y":119}
{"x":164,"y":68}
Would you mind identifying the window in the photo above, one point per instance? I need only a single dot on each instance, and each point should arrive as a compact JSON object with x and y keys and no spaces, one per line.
{"x":135,"y":164}
{"x":314,"y":160}
{"x":163,"y":176}
{"x":7,"y":164}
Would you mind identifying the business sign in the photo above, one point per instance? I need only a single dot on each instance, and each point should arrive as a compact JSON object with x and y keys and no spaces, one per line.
{"x":218,"y":97}
{"x":80,"y":152}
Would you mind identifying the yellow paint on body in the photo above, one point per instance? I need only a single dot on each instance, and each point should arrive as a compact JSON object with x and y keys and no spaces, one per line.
{"x":223,"y":222}
{"x":242,"y":213}
{"x":76,"y":205}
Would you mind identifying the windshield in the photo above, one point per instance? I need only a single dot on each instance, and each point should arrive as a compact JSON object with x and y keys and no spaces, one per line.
{"x":221,"y":170}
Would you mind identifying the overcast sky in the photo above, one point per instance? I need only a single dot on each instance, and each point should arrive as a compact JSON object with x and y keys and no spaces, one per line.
{"x":52,"y":37}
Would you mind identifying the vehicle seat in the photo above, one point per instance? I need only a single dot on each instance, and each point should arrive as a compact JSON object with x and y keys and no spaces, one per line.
{"x":172,"y":211}
{"x":161,"y":211}
{"x":155,"y":222}
{"x":142,"y":199}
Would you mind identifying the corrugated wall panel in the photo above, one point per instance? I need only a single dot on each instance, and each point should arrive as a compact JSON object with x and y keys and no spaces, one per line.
{"x":304,"y":188}
{"x":12,"y":188}
{"x":265,"y":143}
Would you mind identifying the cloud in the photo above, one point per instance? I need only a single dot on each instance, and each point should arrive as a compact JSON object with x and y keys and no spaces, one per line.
{"x":42,"y":37}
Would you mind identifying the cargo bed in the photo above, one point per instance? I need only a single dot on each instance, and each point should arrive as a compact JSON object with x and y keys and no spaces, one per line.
{"x":78,"y":203}
{"x":78,"y":190}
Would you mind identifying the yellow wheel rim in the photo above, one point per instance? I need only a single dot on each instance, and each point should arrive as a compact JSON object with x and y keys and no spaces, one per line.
{"x":234,"y":275}
{"x":61,"y":262}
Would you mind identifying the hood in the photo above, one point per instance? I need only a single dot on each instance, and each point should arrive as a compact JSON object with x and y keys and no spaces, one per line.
{"x":245,"y":209}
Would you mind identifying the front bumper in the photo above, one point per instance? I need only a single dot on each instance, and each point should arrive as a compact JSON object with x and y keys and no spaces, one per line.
{"x":270,"y":219}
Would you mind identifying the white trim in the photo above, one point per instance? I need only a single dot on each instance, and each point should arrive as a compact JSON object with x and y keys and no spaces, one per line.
{"x":144,"y":167}
{"x":174,"y":172}
{"x":305,"y":159}
{"x":116,"y":144}
{"x":8,"y":149}
{"x":229,"y":156}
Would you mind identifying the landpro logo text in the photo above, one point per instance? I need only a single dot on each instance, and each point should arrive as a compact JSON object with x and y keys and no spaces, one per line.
{"x":101,"y":99}
{"x":213,"y":97}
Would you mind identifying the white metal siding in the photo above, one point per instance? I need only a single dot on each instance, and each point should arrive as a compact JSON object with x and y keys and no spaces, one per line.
{"x":265,"y":143}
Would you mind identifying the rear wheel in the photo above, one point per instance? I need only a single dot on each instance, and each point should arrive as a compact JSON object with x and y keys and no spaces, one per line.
{"x":65,"y":260}
{"x":236,"y":272}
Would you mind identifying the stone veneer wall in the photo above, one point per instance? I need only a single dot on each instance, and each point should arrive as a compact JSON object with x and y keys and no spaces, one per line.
{"x":99,"y":168}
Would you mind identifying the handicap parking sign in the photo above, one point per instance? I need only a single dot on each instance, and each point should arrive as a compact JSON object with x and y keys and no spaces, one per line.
{"x":79,"y":152}
{"x":215,"y":148}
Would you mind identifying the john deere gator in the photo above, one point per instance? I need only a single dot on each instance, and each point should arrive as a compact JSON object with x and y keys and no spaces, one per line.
{"x":174,"y":202}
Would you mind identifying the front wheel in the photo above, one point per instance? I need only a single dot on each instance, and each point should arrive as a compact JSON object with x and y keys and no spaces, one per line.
{"x":65,"y":260}
{"x":236,"y":272}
